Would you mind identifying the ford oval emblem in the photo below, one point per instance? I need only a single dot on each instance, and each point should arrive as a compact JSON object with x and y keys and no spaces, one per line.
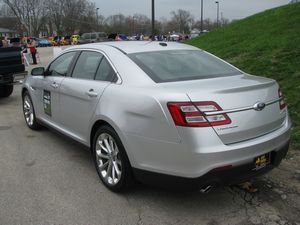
{"x":259,"y":106}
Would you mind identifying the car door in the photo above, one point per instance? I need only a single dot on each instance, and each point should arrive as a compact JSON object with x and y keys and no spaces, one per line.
{"x":80,"y":93}
{"x":47,"y":88}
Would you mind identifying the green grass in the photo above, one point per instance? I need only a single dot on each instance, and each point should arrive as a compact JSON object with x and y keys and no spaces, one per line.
{"x":266,"y":44}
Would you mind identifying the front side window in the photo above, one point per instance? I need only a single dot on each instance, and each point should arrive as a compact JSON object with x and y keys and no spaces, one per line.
{"x":60,"y":66}
{"x":87,"y":65}
{"x":180,"y":65}
{"x":105,"y":72}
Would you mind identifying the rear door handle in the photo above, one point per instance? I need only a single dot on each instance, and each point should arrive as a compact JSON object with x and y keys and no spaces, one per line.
{"x":91,"y":93}
{"x":54,"y":85}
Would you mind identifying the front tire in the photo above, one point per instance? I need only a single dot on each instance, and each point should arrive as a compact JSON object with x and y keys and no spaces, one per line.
{"x":29,"y":113}
{"x":111,"y":161}
{"x":6,"y":90}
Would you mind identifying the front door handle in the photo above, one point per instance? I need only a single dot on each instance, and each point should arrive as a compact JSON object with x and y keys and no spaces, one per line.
{"x":54,"y":85}
{"x":91,"y":93}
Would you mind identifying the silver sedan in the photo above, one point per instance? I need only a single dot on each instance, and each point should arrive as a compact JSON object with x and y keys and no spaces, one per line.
{"x":167,"y":114}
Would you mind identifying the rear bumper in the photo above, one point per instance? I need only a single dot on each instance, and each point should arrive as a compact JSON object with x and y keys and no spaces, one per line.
{"x":234,"y":175}
{"x":198,"y":153}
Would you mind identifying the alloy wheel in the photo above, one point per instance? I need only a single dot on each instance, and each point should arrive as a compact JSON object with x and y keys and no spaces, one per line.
{"x":108,"y":159}
{"x":28,"y":110}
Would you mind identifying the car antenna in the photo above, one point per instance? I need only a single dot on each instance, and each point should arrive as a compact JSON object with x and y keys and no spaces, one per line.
{"x":163,"y":44}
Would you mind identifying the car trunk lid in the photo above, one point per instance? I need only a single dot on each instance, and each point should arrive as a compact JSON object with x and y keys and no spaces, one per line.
{"x":251,"y":103}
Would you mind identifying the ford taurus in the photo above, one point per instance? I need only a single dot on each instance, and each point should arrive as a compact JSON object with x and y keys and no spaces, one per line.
{"x":163,"y":113}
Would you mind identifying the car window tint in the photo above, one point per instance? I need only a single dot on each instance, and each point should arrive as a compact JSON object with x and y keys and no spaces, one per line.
{"x":102,"y":34}
{"x":61,"y":65}
{"x":86,"y":36}
{"x":93,"y":36}
{"x":179,"y":65}
{"x":105,"y":72}
{"x":87,"y":65}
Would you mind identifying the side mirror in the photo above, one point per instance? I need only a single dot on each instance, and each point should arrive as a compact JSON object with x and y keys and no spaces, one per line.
{"x":38,"y":71}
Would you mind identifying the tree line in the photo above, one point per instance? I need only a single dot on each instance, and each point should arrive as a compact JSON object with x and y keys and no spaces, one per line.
{"x":66,"y":17}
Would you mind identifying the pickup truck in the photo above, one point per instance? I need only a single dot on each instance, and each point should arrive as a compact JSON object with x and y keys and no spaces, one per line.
{"x":10,"y":65}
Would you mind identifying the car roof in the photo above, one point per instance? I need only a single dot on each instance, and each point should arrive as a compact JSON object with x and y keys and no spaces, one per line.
{"x":128,"y":47}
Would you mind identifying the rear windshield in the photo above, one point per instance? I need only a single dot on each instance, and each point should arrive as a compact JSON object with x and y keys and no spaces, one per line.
{"x":180,"y":65}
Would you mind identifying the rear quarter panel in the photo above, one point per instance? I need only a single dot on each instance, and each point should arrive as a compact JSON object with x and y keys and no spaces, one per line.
{"x":139,"y":112}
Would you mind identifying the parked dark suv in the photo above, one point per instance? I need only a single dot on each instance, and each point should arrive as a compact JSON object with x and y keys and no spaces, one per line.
{"x":92,"y":37}
{"x":10,"y":65}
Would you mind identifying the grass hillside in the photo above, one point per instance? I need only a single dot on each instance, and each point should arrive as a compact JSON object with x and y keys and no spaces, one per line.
{"x":266,"y":44}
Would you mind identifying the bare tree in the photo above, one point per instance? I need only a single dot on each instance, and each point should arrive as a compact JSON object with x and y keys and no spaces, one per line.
{"x":142,"y":24}
{"x":183,"y":19}
{"x":5,"y":11}
{"x":116,"y":24}
{"x":65,"y":17}
{"x":55,"y":15}
{"x":30,"y":13}
{"x":8,"y":20}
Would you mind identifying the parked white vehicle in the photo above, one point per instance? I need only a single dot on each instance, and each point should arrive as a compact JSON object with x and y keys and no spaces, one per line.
{"x":163,"y":113}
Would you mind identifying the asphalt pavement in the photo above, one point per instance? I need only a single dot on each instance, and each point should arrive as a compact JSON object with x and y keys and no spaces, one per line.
{"x":47,"y":179}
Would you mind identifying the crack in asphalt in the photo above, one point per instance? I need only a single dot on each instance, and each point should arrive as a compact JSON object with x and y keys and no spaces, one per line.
{"x":137,"y":208}
{"x":252,"y":202}
{"x":245,"y":196}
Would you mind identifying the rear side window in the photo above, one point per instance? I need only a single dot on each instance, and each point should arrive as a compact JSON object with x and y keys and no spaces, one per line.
{"x":93,"y":36}
{"x":60,"y":66}
{"x":87,"y":65}
{"x":180,"y":65}
{"x":105,"y":72}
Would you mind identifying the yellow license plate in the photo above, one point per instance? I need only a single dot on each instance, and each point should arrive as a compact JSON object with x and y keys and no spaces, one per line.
{"x":261,"y":161}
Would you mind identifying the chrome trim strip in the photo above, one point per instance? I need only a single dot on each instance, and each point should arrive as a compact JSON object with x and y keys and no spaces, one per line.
{"x":240,"y":109}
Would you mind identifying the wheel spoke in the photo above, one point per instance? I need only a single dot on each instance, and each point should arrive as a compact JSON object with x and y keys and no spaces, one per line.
{"x":113,"y":174}
{"x":107,"y":145}
{"x":116,"y":150}
{"x":26,"y":107}
{"x":116,"y":168}
{"x":103,"y":165}
{"x":101,"y":155}
{"x":103,"y":147}
{"x":27,"y":104}
{"x":111,"y":144}
{"x":109,"y":170}
{"x":30,"y":119}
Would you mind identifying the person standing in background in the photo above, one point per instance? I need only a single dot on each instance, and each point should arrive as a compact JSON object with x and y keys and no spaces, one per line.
{"x":32,"y":48}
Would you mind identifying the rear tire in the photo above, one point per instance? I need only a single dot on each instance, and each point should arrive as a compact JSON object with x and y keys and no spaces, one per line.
{"x":111,"y":161}
{"x":6,"y":91}
{"x":29,"y":113}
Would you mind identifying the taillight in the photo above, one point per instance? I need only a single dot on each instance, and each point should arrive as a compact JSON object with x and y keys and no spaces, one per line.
{"x":192,"y":114}
{"x":282,"y":104}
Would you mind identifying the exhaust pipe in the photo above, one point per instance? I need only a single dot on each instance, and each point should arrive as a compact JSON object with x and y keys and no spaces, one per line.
{"x":206,"y":189}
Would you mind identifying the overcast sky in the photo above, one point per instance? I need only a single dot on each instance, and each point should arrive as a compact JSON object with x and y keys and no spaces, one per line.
{"x":231,"y":9}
